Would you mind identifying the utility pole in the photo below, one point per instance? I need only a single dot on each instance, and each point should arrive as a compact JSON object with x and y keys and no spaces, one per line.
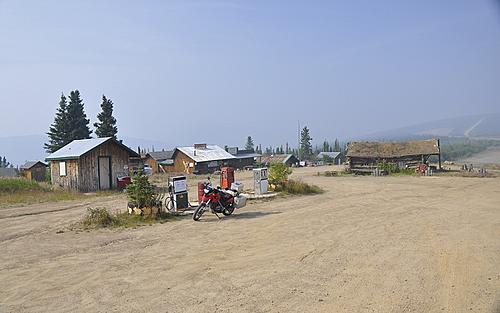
{"x":298,"y":139}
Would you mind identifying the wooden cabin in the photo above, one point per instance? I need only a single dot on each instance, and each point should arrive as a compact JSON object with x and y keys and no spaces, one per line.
{"x":328,"y":158}
{"x":160,"y":161}
{"x":90,"y":164}
{"x":200,"y":159}
{"x":242,"y":158}
{"x":34,"y":170}
{"x":365,"y":156}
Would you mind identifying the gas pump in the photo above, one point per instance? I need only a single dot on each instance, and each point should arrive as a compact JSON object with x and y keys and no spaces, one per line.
{"x":261,"y":184}
{"x":179,"y":192}
{"x":226,"y":177}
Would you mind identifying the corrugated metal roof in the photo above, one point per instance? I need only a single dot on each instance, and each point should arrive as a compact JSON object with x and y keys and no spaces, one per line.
{"x":210,"y":153}
{"x":161,"y":155}
{"x":77,"y":148}
{"x":332,"y":155}
{"x":30,"y":164}
{"x":246,"y":155}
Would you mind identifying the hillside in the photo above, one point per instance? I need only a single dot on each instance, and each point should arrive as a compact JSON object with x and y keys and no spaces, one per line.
{"x":485,"y":126}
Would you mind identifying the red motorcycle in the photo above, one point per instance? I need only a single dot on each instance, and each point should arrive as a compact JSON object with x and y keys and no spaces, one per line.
{"x":218,"y":200}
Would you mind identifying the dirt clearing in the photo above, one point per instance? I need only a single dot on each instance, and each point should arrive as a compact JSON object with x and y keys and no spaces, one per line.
{"x":368,"y":244}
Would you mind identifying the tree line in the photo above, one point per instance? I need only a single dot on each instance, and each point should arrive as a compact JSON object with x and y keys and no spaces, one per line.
{"x":304,"y":151}
{"x":4,"y":163}
{"x":71,"y":123}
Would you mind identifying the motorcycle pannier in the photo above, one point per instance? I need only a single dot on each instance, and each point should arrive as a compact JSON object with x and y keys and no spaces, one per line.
{"x":240,"y":201}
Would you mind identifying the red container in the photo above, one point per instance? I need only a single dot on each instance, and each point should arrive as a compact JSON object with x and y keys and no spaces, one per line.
{"x":123,"y":181}
{"x":201,"y":192}
{"x":226,"y":177}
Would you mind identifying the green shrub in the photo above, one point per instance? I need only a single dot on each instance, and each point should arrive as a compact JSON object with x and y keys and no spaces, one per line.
{"x":278,"y":174}
{"x":140,"y":192}
{"x":390,"y":168}
{"x":393,"y":168}
{"x":295,"y":187}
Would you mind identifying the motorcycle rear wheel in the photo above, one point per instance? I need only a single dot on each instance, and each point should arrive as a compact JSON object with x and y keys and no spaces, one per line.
{"x":199,"y":211}
{"x":228,"y":211}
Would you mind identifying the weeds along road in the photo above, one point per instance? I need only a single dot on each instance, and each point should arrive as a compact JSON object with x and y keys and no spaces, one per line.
{"x":369,"y":244}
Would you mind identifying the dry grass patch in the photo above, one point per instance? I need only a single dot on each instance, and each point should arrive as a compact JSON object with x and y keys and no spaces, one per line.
{"x":297,"y":187}
{"x":21,"y":191}
{"x":97,"y":218}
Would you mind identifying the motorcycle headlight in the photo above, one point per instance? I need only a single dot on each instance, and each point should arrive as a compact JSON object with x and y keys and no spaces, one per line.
{"x":206,"y":190}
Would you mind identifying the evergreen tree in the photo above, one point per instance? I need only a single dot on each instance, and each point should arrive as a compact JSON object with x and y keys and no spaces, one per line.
{"x":305,"y":143}
{"x":259,"y":149}
{"x":4,"y":163}
{"x":77,"y":119}
{"x":336,"y":146}
{"x":316,"y":149}
{"x":249,"y":145}
{"x":59,"y":130}
{"x":326,"y":146}
{"x":106,"y":127}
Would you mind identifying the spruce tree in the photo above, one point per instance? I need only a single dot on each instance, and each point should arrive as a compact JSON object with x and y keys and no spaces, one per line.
{"x":326,"y":146}
{"x":77,"y":119}
{"x":59,"y":130}
{"x":305,"y":143}
{"x":336,"y":145}
{"x":106,"y":127}
{"x":249,"y":145}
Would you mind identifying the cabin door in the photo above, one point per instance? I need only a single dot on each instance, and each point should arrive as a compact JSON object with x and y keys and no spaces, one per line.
{"x":104,"y":172}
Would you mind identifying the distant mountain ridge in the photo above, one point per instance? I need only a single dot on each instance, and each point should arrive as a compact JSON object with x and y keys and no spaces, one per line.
{"x":19,"y":149}
{"x":485,"y":126}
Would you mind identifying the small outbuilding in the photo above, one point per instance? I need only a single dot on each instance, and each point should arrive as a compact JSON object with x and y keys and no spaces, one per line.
{"x":90,"y":164}
{"x":328,"y":157}
{"x":365,"y":156}
{"x":34,"y":170}
{"x":288,"y":159}
{"x":160,"y":161}
{"x":200,"y":159}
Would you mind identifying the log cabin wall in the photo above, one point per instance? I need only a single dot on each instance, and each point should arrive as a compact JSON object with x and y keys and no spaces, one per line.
{"x":364,"y":162}
{"x":241,"y":163}
{"x":70,"y":180}
{"x":88,"y":176}
{"x":181,"y":163}
{"x":153,"y":164}
{"x":166,"y":168}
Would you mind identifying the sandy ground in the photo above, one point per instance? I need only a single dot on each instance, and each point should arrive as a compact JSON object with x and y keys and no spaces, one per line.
{"x":369,"y":244}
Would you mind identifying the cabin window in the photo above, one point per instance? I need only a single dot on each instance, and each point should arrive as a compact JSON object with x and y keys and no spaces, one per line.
{"x":62,"y":168}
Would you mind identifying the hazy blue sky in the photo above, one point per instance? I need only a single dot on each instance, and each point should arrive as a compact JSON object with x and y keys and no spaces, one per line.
{"x":191,"y":71}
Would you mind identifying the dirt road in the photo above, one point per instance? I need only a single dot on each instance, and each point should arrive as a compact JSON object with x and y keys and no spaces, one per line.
{"x":369,"y":244}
